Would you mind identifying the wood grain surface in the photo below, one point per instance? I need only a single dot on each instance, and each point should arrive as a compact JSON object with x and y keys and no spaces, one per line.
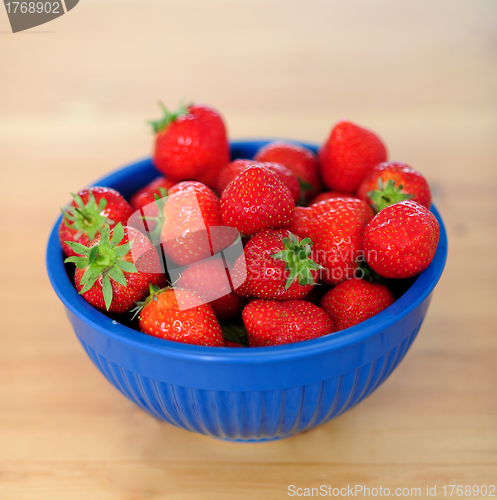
{"x":74,"y":97}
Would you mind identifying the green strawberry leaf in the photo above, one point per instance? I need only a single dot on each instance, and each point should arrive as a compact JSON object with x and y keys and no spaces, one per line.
{"x":105,"y":235}
{"x":235,"y":332}
{"x":106,"y":260}
{"x":122,"y":250}
{"x":86,"y":219}
{"x":78,"y":248}
{"x":387,"y":194}
{"x":79,"y":262}
{"x":93,"y":254}
{"x":117,"y":235}
{"x":167,"y":118}
{"x":68,"y":216}
{"x":101,"y":204}
{"x":107,"y":291}
{"x":297,"y":261}
{"x":117,"y":275}
{"x":126,"y":266}
{"x":79,"y":201}
{"x":88,"y":279}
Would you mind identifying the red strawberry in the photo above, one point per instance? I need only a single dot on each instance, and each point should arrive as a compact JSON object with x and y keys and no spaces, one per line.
{"x":191,"y":144}
{"x":257,"y":199}
{"x":230,"y":343}
{"x":181,"y":316}
{"x":191,"y":229}
{"x":391,"y":182}
{"x":236,"y":167}
{"x":269,"y":322}
{"x":210,"y":279}
{"x":159,"y":186}
{"x":278,"y":266}
{"x":326,"y":195}
{"x":148,"y":204}
{"x":335,"y":227}
{"x":348,"y":155}
{"x":355,"y":300}
{"x":88,"y":213}
{"x":401,"y":240}
{"x":300,"y":160}
{"x":114,"y":271}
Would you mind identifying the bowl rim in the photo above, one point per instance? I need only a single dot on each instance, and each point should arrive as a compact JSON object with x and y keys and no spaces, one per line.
{"x":402,"y":307}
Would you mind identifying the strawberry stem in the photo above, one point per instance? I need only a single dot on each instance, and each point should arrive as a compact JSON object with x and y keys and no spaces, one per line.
{"x":298,"y":262}
{"x":86,"y":218}
{"x":106,"y":260}
{"x":167,"y":117}
{"x":387,"y":194}
{"x":153,"y":291}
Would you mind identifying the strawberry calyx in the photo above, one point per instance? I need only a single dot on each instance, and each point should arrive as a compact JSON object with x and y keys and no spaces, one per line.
{"x":387,"y":194}
{"x":86,"y":218}
{"x":140,"y":304}
{"x":298,"y":262}
{"x":159,"y":219}
{"x":168,"y":117}
{"x":104,"y":259}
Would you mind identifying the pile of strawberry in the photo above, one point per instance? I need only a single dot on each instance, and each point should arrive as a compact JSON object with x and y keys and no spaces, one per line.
{"x":285,"y":247}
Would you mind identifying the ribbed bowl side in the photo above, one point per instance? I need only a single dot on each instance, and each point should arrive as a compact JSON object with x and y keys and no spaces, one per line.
{"x":252,"y":415}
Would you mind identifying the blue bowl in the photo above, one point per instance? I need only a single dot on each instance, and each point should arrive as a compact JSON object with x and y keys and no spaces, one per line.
{"x":244,"y":394}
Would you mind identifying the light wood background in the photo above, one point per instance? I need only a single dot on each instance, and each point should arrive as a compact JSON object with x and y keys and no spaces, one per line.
{"x":74,"y":96}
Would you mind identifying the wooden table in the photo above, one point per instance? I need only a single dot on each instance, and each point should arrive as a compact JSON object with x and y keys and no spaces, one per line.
{"x":75,"y":94}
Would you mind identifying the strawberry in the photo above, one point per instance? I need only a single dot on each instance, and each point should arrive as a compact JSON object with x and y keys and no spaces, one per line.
{"x":236,"y":167}
{"x":230,"y":343}
{"x":190,"y":212}
{"x":391,"y":182}
{"x":257,"y":199}
{"x":269,"y":322}
{"x":335,"y":227}
{"x":89,"y":211}
{"x":278,"y":266}
{"x":210,"y":279}
{"x":191,"y":144}
{"x":179,"y":315}
{"x":159,"y":186}
{"x":401,"y":240}
{"x":114,"y":271}
{"x":148,"y":204}
{"x":348,"y":154}
{"x":355,"y":300}
{"x":300,"y":160}
{"x":326,"y":195}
